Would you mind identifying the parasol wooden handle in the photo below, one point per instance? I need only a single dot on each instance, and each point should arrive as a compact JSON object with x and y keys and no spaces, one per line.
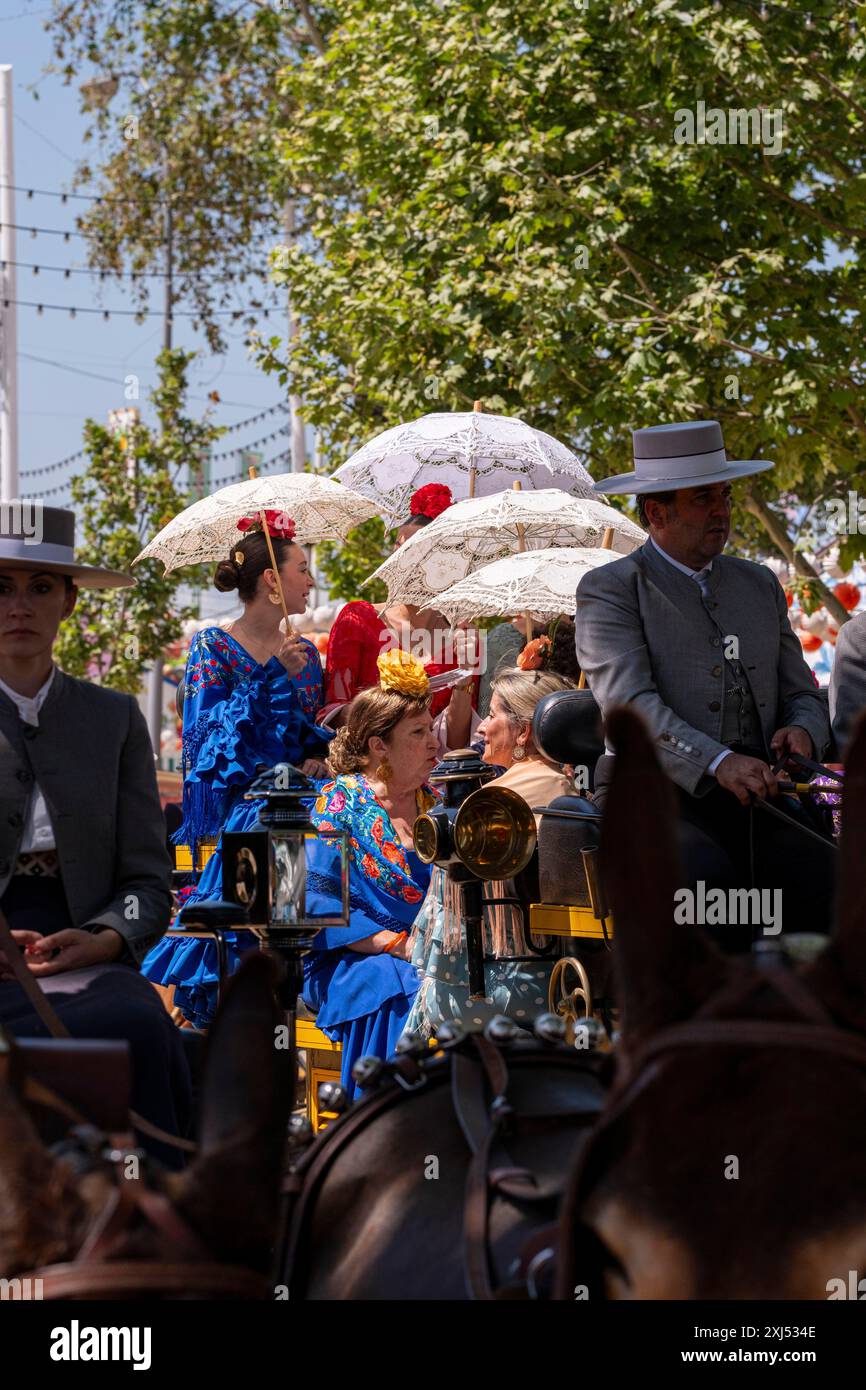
{"x":606,"y":544}
{"x":254,"y":473}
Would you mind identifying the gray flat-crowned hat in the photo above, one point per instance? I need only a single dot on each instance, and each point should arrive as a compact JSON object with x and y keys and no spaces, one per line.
{"x":667,"y":457}
{"x":36,"y":537}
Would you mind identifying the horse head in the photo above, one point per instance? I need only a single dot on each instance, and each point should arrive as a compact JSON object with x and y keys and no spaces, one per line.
{"x":95,"y":1230}
{"x":728,"y":1163}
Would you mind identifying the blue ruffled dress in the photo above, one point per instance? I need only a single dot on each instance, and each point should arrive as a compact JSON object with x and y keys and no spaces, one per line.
{"x":362,"y":1001}
{"x":237,"y":716}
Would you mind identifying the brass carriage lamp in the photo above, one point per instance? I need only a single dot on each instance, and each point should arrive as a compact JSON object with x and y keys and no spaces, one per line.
{"x":266,"y":869}
{"x":479,"y":833}
{"x":488,"y":832}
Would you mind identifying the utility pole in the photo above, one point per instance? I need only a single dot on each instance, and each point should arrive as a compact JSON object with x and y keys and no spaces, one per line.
{"x":8,"y":311}
{"x":155,"y":681}
{"x":168,"y":235}
{"x":299,"y":444}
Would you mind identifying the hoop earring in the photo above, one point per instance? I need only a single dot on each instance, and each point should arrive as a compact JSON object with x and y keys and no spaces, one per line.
{"x":385,"y":771}
{"x":274,"y":597}
{"x":518,"y":752}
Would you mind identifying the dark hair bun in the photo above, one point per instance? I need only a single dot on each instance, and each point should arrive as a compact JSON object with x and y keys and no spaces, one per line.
{"x":226,"y":576}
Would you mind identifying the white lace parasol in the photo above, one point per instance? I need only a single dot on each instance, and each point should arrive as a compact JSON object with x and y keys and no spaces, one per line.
{"x":321,"y":509}
{"x":483,"y":529}
{"x":472,"y":453}
{"x":541,"y":582}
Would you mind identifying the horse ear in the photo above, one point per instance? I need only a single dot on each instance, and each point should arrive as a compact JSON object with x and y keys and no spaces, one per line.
{"x":664,"y":969}
{"x":231,"y":1193}
{"x":839,"y":973}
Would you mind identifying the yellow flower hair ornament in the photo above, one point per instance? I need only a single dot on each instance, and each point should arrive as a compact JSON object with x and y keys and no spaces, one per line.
{"x":403,"y":672}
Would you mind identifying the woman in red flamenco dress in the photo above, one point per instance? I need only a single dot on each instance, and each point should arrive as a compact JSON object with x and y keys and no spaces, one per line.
{"x":362,"y":632}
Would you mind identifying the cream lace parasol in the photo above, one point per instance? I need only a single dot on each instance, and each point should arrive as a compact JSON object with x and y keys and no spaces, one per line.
{"x":321,"y":509}
{"x":471,"y":452}
{"x":483,"y":529}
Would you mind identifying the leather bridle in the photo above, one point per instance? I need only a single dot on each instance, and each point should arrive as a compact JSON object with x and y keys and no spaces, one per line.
{"x":637,"y":1071}
{"x":94,"y":1272}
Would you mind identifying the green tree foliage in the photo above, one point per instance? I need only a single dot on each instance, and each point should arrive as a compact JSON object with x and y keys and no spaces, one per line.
{"x":180,"y":98}
{"x":345,"y":567}
{"x":498,"y":207}
{"x":125,"y":495}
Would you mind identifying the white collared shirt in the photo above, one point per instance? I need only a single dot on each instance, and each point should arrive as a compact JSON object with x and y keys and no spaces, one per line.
{"x":697,"y":575}
{"x":38,"y":830}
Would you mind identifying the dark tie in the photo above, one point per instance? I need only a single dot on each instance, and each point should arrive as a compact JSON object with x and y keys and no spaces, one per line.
{"x":702,"y":579}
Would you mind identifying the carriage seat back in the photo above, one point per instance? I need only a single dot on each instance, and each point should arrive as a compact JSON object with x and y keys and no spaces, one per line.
{"x":566,"y":728}
{"x":561,"y":875}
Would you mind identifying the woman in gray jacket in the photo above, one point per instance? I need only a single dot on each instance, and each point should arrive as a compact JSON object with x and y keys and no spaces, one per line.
{"x":84,"y":869}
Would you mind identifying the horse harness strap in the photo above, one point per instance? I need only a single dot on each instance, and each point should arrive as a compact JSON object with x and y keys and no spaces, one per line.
{"x":116,"y":1277}
{"x":42,"y":1007}
{"x":483,"y":1123}
{"x":94,"y":1273}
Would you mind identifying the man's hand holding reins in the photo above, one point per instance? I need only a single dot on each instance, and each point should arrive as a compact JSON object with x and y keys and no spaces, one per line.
{"x":746,"y":777}
{"x":791,"y":741}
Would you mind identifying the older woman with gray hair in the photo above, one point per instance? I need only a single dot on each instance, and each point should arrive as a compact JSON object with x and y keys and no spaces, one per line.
{"x":515,"y":981}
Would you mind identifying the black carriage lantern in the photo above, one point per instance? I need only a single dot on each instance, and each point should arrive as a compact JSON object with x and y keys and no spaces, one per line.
{"x":478,"y":834}
{"x":266,"y":869}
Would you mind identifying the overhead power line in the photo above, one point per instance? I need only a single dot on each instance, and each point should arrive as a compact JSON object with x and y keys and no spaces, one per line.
{"x":62,"y":490}
{"x":74,"y":309}
{"x":67,"y":270}
{"x":281,"y":406}
{"x":149,"y":200}
{"x":113,"y":380}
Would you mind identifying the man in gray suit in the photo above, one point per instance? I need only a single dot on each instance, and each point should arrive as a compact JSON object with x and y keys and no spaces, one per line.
{"x":84,"y":869}
{"x":848,"y":680}
{"x":700,"y":644}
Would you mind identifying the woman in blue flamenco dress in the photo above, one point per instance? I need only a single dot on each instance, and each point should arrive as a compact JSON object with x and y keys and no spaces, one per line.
{"x":251,"y":694}
{"x":359,"y":980}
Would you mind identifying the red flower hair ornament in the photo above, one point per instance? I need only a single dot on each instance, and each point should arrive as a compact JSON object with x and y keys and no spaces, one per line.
{"x":279,"y":524}
{"x":535,"y":654}
{"x":430,"y":501}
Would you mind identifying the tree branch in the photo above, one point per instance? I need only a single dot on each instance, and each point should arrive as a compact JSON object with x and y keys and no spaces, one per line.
{"x":775,"y":529}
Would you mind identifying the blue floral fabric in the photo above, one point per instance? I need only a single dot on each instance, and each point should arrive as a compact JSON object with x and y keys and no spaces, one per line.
{"x":517,"y":988}
{"x":361,"y":1000}
{"x":237,"y":715}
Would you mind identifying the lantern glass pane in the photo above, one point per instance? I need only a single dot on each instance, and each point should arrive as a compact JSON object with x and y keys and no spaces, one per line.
{"x":309,"y":879}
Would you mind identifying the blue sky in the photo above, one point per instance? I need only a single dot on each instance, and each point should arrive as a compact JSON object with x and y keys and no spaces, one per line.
{"x":94,"y":356}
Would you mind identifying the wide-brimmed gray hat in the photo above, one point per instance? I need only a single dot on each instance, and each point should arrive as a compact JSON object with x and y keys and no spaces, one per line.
{"x":36,"y":537}
{"x":667,"y":457}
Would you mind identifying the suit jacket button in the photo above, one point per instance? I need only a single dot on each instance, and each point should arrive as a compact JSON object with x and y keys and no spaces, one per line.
{"x":715,"y":641}
{"x":714,"y":705}
{"x":717,"y":670}
{"x":23,"y":775}
{"x":16,"y":819}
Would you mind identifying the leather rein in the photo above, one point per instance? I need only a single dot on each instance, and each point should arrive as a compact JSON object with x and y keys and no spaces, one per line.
{"x":636,"y":1072}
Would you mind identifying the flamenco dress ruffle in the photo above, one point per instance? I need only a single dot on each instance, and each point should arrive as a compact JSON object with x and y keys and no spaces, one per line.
{"x":260,"y":724}
{"x":361,"y":1001}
